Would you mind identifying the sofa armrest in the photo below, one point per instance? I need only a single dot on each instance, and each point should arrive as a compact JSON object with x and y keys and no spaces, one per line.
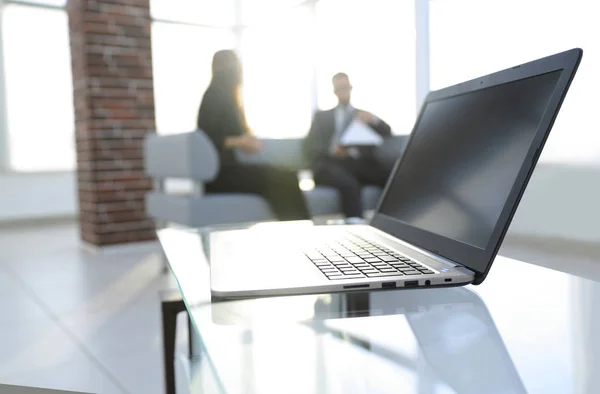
{"x":189,"y":155}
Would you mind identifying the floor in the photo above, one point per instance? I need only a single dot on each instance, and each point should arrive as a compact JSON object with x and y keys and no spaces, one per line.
{"x":79,"y":320}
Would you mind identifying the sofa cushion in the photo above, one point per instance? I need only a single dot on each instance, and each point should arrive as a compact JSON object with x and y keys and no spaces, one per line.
{"x":194,"y":211}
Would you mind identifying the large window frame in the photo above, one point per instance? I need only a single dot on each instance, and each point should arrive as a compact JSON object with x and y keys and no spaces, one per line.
{"x":422,"y":58}
{"x":5,"y":166}
{"x":421,"y":15}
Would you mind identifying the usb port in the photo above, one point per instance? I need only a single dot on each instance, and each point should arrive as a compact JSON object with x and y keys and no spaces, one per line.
{"x":388,"y":285}
{"x":411,"y":283}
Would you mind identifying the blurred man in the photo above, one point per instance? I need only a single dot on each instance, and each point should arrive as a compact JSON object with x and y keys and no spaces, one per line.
{"x":345,"y":168}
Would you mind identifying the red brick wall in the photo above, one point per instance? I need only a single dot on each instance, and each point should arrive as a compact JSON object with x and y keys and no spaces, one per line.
{"x":114,"y":110}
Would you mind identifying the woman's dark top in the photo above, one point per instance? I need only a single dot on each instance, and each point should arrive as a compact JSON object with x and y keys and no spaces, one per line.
{"x":220,"y":118}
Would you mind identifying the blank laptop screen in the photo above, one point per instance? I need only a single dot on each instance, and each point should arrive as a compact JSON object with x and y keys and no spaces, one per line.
{"x":464,"y":157}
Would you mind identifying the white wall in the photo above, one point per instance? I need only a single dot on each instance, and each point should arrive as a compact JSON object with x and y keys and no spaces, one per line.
{"x":38,"y":195}
{"x":561,"y":201}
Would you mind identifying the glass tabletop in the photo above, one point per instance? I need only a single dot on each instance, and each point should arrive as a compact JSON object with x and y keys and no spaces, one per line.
{"x":525,"y":329}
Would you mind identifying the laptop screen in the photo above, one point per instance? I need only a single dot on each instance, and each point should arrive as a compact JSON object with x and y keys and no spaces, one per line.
{"x":464,"y":157}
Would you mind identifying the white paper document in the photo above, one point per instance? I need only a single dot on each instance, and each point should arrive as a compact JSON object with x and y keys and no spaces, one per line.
{"x":358,"y":134}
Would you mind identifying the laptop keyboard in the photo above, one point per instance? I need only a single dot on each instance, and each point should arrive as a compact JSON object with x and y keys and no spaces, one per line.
{"x":353,"y":257}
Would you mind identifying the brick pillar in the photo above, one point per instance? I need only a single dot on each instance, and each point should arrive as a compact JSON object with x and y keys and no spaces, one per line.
{"x":114,"y":110}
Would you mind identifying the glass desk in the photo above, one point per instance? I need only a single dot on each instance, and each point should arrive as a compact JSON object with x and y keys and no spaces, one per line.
{"x":526,"y":329}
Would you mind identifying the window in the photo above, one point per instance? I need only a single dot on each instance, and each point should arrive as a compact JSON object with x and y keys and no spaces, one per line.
{"x":182,"y":56}
{"x":56,"y":3}
{"x":374,"y":42}
{"x":278,"y":72}
{"x":38,"y":83}
{"x":289,"y":49}
{"x":218,"y":13}
{"x":255,"y":12}
{"x":470,"y":38}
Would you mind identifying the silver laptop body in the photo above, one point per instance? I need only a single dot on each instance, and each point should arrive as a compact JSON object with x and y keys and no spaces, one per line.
{"x":445,"y":209}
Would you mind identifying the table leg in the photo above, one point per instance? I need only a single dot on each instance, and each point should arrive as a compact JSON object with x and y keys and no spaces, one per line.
{"x":170,"y":310}
{"x":190,"y":338}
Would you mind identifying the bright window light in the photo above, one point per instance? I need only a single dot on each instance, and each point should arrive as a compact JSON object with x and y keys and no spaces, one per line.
{"x":470,"y":38}
{"x":374,"y":42}
{"x":59,"y":3}
{"x":278,"y":73}
{"x":39,"y":92}
{"x":209,"y":12}
{"x":255,"y":12}
{"x":182,"y":56}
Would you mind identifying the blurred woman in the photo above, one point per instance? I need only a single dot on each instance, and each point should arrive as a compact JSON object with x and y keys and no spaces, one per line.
{"x":221,"y":117}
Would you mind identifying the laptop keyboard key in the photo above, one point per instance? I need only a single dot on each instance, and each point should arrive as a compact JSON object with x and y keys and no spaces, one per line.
{"x":370,"y":271}
{"x":380,"y":264}
{"x":407,"y":269}
{"x":413,"y":272}
{"x":326,"y":267}
{"x":335,"y":259}
{"x":343,"y":264}
{"x":354,"y":259}
{"x":388,"y":258}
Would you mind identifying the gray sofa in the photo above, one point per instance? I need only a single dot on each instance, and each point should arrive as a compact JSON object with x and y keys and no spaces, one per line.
{"x":192,"y":156}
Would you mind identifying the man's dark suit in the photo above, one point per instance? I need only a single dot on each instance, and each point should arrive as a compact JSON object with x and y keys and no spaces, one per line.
{"x":349,"y":174}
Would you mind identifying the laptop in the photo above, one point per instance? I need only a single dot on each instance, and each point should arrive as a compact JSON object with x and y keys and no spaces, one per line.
{"x":444,"y":211}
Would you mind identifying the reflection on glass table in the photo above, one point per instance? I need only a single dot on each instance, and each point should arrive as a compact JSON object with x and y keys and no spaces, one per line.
{"x":380,"y":342}
{"x":527,"y":329}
